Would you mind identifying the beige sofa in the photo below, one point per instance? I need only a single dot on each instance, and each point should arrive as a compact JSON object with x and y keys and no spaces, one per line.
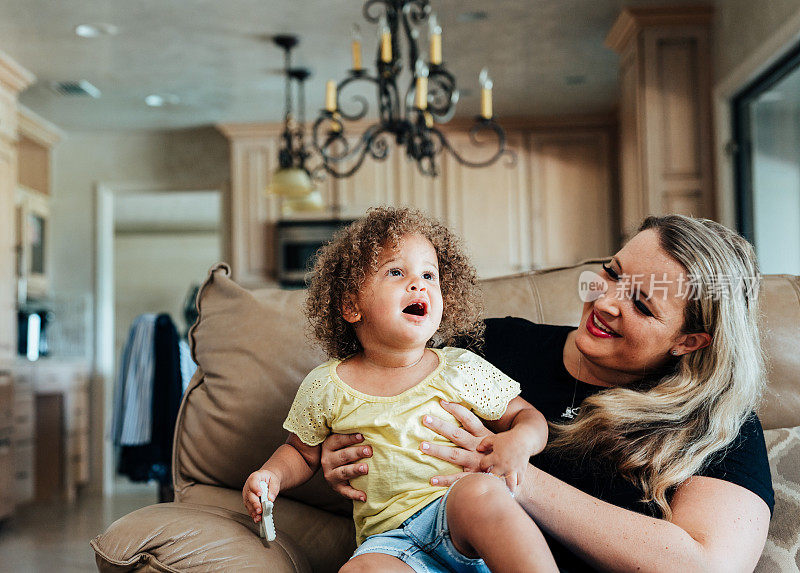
{"x":253,"y":351}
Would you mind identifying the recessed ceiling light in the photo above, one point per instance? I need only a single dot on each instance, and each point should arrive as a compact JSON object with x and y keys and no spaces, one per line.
{"x":96,"y":30}
{"x":160,"y":100}
{"x":475,"y":16}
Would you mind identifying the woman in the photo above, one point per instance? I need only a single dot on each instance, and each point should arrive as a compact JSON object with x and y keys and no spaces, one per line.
{"x":664,"y":466}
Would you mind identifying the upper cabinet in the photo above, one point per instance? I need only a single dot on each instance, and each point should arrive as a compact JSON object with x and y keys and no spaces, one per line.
{"x":36,"y":139}
{"x":554,"y":204}
{"x":665,"y":120}
{"x":13,"y":79}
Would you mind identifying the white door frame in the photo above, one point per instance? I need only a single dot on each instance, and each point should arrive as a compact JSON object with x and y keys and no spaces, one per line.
{"x":777,"y":45}
{"x":102,"y":400}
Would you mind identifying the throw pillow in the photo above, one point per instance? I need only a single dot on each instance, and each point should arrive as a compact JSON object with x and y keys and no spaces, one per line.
{"x":252,"y":353}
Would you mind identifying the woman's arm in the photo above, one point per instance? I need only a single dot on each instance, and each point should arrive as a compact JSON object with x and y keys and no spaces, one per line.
{"x":716,"y":525}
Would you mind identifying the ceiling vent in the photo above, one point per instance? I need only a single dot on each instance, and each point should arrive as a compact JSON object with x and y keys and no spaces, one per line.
{"x":75,"y":88}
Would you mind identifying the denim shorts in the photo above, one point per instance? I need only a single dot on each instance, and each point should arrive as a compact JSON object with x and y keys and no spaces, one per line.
{"x":423,"y":542}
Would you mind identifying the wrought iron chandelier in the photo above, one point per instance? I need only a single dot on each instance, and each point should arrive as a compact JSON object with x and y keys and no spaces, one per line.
{"x":411,"y":117}
{"x":292,"y":180}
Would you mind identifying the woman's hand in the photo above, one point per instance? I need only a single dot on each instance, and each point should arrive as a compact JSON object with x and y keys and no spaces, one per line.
{"x":467,"y":438}
{"x":340,"y":452}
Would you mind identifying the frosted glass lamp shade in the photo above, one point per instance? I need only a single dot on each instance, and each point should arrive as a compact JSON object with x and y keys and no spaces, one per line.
{"x":291,"y":182}
{"x":312,"y":202}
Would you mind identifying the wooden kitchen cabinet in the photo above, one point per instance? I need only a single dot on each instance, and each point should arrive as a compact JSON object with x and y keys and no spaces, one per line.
{"x":665,"y":76}
{"x":490,"y":207}
{"x":37,"y":137}
{"x":7,"y":501}
{"x":23,"y":437}
{"x":13,"y":79}
{"x":51,"y":429}
{"x":513,"y":218}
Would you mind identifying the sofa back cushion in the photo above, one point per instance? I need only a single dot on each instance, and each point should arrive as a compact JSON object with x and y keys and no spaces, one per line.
{"x":253,"y":351}
{"x":551,"y":297}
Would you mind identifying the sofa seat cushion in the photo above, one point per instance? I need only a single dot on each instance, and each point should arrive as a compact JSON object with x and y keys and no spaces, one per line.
{"x":326,"y":539}
{"x":192,"y":538}
{"x":782,"y":551}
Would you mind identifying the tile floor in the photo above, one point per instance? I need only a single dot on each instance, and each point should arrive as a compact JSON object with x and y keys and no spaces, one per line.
{"x":47,"y":538}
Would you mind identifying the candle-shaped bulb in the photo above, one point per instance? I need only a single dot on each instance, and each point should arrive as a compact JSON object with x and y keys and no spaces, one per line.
{"x":386,"y":40}
{"x":356,"y":45}
{"x":435,"y":33}
{"x":486,"y":94}
{"x":330,"y":96}
{"x":421,"y":72}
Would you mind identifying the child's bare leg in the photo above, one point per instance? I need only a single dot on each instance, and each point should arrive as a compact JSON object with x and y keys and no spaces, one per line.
{"x":371,"y":562}
{"x":485,"y":521}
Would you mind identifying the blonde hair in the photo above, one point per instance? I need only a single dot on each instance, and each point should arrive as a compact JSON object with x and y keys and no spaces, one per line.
{"x":342,"y":266}
{"x":660,"y":432}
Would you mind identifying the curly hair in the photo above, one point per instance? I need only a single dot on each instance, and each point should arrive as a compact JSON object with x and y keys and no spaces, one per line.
{"x":342,"y":266}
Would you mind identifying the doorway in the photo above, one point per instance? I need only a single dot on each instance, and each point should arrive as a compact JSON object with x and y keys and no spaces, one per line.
{"x":155,"y":244}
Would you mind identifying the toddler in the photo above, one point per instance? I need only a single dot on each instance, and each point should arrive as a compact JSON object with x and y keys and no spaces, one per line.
{"x":383,"y":293}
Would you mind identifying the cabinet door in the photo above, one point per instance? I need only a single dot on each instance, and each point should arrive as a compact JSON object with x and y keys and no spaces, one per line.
{"x":6,"y":454}
{"x":375,"y":183}
{"x":251,"y":210}
{"x":489,"y":207}
{"x":573,"y":198}
{"x":35,"y":235}
{"x":633,"y":199}
{"x":8,"y":320}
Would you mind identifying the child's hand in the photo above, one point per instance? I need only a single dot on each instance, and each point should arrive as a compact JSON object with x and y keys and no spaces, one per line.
{"x":508,"y":457}
{"x":252,"y":491}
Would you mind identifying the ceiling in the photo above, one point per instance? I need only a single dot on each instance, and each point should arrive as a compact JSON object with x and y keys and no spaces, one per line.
{"x":546,"y":57}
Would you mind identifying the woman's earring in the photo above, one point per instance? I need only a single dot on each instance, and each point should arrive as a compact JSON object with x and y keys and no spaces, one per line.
{"x":674,"y":352}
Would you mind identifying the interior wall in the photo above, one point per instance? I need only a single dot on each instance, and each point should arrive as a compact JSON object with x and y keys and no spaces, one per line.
{"x":196,"y":158}
{"x":141,"y":283}
{"x":748,"y":37}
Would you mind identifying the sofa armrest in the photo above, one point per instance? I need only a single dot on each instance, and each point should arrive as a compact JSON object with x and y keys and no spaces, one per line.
{"x":171,"y":537}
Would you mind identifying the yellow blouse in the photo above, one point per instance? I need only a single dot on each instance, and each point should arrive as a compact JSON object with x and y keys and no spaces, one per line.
{"x":398,"y":483}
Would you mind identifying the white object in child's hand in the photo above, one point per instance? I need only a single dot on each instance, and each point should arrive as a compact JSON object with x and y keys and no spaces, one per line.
{"x":266,"y":527}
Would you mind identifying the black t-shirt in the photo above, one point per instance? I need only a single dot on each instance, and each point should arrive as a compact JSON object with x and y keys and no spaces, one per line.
{"x":532,"y":354}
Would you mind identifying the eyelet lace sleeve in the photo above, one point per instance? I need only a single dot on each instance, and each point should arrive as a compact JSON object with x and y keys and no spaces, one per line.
{"x":483,"y":387}
{"x":312,"y":410}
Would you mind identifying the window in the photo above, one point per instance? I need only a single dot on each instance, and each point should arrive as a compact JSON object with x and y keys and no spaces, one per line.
{"x":766,"y":123}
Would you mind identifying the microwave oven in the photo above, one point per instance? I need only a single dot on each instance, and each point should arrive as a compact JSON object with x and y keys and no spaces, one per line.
{"x":297,"y":245}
